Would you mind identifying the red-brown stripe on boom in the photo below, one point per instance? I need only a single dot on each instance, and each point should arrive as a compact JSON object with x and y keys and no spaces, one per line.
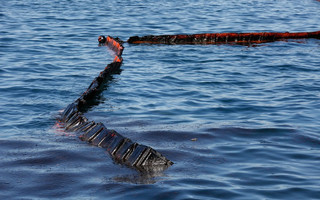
{"x":222,"y":38}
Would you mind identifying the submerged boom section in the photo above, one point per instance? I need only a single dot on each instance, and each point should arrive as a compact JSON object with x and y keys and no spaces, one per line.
{"x":120,"y":148}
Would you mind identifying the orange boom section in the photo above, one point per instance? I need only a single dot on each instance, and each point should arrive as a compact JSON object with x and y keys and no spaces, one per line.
{"x":222,"y":38}
{"x":115,"y":44}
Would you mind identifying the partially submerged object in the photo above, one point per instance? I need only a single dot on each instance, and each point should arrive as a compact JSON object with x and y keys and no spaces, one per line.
{"x":121,"y":149}
{"x":222,"y":38}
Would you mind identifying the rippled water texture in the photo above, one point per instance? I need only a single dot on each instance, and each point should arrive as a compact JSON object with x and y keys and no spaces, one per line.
{"x":238,"y":122}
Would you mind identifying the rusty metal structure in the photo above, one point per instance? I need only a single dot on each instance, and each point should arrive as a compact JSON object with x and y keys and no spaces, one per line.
{"x":120,"y":148}
{"x":222,"y":38}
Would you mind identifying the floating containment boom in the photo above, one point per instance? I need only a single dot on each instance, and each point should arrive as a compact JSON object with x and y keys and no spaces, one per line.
{"x":222,"y":38}
{"x":121,"y":149}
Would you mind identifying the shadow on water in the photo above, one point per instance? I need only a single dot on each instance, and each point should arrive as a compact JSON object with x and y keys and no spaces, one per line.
{"x":141,"y":178}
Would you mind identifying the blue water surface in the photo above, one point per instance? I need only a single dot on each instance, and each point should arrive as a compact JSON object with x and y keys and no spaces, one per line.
{"x":239,"y":122}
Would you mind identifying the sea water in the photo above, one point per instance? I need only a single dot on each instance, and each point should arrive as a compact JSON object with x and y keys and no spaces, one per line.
{"x":239,"y":122}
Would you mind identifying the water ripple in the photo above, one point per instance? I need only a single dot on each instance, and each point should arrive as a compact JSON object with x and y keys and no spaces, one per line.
{"x":239,"y":122}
